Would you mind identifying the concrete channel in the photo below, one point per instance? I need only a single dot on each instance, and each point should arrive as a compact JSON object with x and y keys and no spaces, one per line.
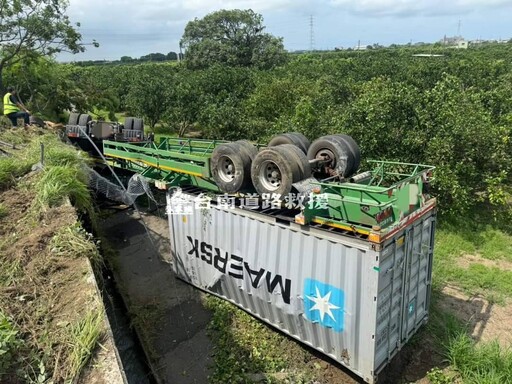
{"x":165,"y":313}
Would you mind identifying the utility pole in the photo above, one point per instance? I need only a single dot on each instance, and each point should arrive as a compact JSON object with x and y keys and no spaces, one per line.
{"x":311,"y":33}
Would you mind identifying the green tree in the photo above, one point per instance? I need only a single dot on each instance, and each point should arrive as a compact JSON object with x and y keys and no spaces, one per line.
{"x":172,"y":56}
{"x":154,"y":57}
{"x":38,"y":27}
{"x":232,"y":37}
{"x":182,"y":112}
{"x":470,"y":152}
{"x":149,"y":94}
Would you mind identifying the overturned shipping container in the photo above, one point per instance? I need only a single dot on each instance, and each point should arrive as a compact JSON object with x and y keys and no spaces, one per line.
{"x":357,"y":299}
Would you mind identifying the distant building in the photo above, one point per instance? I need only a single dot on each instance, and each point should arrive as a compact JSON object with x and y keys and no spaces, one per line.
{"x":455,"y":42}
{"x":462,"y":44}
{"x":478,"y":42}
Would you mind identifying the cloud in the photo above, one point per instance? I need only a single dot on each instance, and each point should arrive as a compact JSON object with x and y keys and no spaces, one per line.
{"x":410,"y":8}
{"x":126,"y":27}
{"x":164,"y":9}
{"x":153,"y":24}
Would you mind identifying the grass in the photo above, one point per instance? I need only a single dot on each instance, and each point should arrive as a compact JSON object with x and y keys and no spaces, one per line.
{"x":143,"y":318}
{"x":493,"y":283}
{"x":42,"y":285}
{"x":9,"y":342}
{"x":84,"y":337}
{"x":484,"y":364}
{"x":11,"y":271}
{"x":76,"y":242}
{"x":468,"y":362}
{"x":59,"y":183}
{"x":471,"y":363}
{"x":3,"y":211}
{"x":11,"y":169}
{"x":16,"y":136}
{"x":21,"y":160}
{"x":454,"y":242}
{"x":245,"y":346}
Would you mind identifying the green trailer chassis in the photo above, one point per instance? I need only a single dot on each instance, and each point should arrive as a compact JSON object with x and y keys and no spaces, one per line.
{"x":391,"y":193}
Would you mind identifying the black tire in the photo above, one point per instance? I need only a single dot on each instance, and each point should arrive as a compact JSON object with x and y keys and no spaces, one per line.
{"x":300,"y":158}
{"x":337,"y":150}
{"x":73,"y":118}
{"x":250,"y":149}
{"x":34,"y":120}
{"x":138,"y":124}
{"x":84,"y":120}
{"x":354,"y":149}
{"x":128,"y":123}
{"x":305,"y":143}
{"x":284,"y":170}
{"x":230,"y":166}
{"x":293,"y":138}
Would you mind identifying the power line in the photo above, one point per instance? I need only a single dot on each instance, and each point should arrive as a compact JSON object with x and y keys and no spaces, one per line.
{"x":311,"y":33}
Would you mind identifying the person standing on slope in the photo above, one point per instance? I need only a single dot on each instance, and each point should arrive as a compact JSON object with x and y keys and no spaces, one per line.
{"x":13,"y":107}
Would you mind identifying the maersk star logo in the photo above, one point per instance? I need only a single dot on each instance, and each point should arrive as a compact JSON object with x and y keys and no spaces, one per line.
{"x":324,"y":304}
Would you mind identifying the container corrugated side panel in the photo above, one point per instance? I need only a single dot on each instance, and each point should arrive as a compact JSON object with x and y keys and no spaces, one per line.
{"x":267,"y":268}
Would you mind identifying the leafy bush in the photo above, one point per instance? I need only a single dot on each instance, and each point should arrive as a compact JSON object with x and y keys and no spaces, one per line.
{"x":468,"y":149}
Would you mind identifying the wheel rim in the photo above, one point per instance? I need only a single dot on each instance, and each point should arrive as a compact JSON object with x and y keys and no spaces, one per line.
{"x":270,"y":175}
{"x":327,"y":154}
{"x":226,"y":169}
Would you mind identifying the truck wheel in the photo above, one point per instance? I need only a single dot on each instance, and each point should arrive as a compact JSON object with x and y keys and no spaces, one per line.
{"x":274,"y":170}
{"x":354,"y":149}
{"x":249,"y":148}
{"x":300,"y":158}
{"x":73,"y":118}
{"x":138,"y":124}
{"x":293,"y":138}
{"x":339,"y":159}
{"x":34,"y":120}
{"x":84,"y":119}
{"x":128,"y":123}
{"x":231,"y":167}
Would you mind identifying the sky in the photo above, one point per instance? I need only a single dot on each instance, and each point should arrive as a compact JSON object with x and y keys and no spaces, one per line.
{"x":136,"y":28}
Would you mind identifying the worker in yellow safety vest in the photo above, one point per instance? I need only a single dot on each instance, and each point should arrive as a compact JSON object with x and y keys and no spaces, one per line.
{"x":13,"y":107}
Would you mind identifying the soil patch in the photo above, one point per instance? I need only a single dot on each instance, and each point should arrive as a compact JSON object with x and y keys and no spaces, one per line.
{"x":467,"y":260}
{"x":486,"y":321}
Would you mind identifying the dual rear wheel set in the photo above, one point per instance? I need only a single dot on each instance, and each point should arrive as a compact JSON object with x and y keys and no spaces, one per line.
{"x":288,"y":159}
{"x":84,"y":119}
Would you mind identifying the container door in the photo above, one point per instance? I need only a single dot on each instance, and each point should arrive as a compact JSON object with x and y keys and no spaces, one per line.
{"x":390,"y":300}
{"x":419,"y":244}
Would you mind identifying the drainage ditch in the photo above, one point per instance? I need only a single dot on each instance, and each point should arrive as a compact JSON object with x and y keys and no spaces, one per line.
{"x":158,"y":322}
